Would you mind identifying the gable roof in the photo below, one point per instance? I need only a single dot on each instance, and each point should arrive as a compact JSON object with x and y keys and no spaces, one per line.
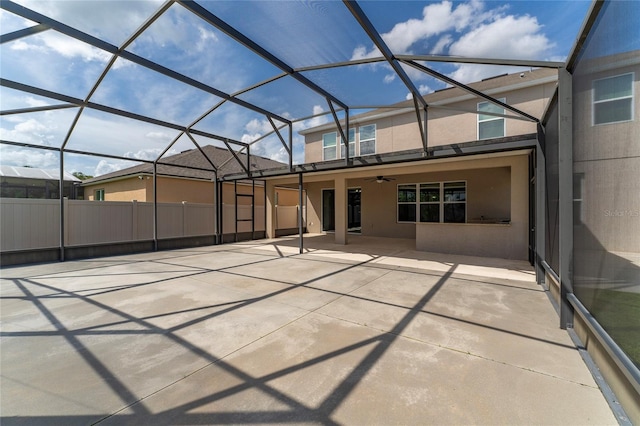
{"x":188,"y":164}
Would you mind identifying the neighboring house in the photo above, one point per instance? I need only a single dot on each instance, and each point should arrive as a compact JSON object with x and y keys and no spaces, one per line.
{"x":466,"y":204}
{"x":606,"y":175}
{"x":606,"y":150}
{"x":187,"y":177}
{"x":28,"y":182}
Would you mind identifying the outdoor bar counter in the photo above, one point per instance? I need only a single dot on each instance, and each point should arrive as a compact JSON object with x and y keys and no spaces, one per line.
{"x":501,"y":239}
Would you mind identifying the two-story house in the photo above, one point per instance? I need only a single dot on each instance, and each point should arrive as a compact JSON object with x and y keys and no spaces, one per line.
{"x":466,"y":192}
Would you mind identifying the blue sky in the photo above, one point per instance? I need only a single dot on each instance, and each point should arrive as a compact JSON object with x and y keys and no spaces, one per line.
{"x":299,"y":33}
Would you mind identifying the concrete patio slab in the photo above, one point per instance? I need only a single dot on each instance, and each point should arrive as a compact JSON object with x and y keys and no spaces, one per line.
{"x":369,"y":333}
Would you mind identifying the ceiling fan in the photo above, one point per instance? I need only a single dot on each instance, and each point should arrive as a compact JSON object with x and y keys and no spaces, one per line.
{"x":380,"y":179}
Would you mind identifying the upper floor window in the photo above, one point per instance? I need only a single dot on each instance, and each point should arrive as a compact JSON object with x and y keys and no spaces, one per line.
{"x":613,"y":99}
{"x":490,"y":126}
{"x":352,"y":144}
{"x":98,"y":195}
{"x":329,"y":146}
{"x":368,"y":139}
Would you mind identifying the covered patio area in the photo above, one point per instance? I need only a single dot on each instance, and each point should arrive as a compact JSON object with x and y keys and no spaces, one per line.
{"x":372,"y":332}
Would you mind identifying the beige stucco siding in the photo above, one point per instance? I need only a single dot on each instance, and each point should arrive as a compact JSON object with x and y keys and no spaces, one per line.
{"x":314,"y":204}
{"x":120,"y":190}
{"x":229,"y":197}
{"x":497,"y":188}
{"x":400,"y":132}
{"x":488,"y":196}
{"x":596,"y":142}
{"x":171,"y":190}
{"x":606,"y":172}
{"x":287,"y":196}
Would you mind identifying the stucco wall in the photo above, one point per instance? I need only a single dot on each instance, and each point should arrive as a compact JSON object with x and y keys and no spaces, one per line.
{"x":496,"y":188}
{"x":488,"y":195}
{"x":314,"y":204}
{"x":505,"y":241}
{"x":121,"y":190}
{"x":606,"y":170}
{"x":401,"y":132}
{"x":170,"y":190}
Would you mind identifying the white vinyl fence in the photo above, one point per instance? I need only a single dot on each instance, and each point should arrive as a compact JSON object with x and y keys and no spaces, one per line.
{"x":34,"y":224}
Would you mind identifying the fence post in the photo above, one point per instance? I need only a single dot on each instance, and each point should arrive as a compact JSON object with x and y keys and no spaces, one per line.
{"x":184,"y":218}
{"x":134,"y":219}
{"x":66,"y":222}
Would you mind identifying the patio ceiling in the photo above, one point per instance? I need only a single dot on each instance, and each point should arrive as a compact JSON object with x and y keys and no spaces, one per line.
{"x":304,"y":53}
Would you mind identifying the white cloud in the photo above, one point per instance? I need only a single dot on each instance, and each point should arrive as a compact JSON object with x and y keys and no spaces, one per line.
{"x":14,"y":156}
{"x":57,"y":43}
{"x":162,"y":136}
{"x":33,"y":102}
{"x":506,"y":37}
{"x":436,"y":19}
{"x":258,"y":126}
{"x":442,"y":44}
{"x":205,"y":39}
{"x":149,"y":154}
{"x":389,"y":78}
{"x":312,"y":122}
{"x":271,"y":147}
{"x":43,"y":128}
{"x":360,"y":52}
{"x":465,"y":29}
{"x":423,"y":89}
{"x":21,"y":45}
{"x":31,"y":126}
{"x":109,"y":166}
{"x":248,"y":138}
{"x":90,"y":16}
{"x":10,"y":22}
{"x":71,"y":48}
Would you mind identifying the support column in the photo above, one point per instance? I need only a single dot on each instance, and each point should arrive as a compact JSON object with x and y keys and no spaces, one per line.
{"x":300,"y":217}
{"x":340,"y":186}
{"x":541,"y":207}
{"x":565,"y":205}
{"x":520,"y":206}
{"x":270,"y":209}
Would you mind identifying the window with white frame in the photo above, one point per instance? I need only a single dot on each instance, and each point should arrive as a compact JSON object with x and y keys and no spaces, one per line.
{"x":490,"y":126}
{"x":454,"y":200}
{"x":98,"y":195}
{"x":368,"y":139}
{"x":329,"y":146}
{"x":613,"y":99}
{"x":407,"y":203}
{"x":438,"y":202}
{"x":352,"y":144}
{"x":429,"y":202}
